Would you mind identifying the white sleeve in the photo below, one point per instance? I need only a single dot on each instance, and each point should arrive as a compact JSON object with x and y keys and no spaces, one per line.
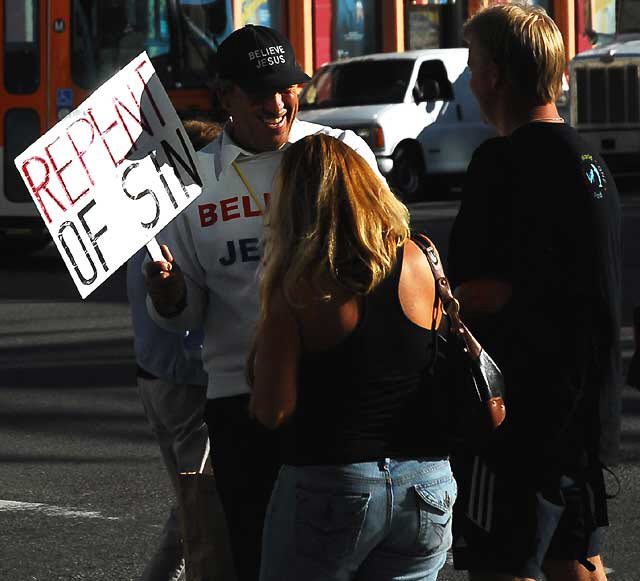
{"x":360,"y":145}
{"x":303,"y":128}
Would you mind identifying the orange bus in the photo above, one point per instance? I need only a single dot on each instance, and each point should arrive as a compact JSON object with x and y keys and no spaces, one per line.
{"x":55,"y":52}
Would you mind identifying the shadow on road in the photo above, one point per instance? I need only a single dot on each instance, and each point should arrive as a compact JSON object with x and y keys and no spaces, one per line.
{"x":43,"y":276}
{"x":98,"y":363}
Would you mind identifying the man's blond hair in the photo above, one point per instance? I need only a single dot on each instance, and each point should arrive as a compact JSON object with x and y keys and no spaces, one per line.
{"x":526,"y":44}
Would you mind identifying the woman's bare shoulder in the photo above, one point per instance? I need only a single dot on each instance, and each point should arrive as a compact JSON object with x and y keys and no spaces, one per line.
{"x":417,"y":287}
{"x":416,"y":262}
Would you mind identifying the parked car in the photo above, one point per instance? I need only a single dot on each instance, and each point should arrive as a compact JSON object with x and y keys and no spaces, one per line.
{"x":414,"y":109}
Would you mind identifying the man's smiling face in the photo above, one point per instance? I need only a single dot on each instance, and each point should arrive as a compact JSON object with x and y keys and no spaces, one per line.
{"x":261,"y":121}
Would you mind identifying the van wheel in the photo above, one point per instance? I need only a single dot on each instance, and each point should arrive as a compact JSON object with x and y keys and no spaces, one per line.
{"x":408,"y":176}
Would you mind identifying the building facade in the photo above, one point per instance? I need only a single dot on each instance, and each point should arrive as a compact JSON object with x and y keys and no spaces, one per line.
{"x":326,"y":30}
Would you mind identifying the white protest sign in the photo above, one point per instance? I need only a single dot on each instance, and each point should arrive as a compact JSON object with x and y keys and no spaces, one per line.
{"x":109,"y":176}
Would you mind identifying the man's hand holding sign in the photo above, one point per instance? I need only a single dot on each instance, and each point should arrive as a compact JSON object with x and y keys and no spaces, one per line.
{"x":165,"y":283}
{"x":112,"y":174}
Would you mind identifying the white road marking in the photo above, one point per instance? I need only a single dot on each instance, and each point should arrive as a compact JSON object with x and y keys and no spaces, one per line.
{"x":50,"y":510}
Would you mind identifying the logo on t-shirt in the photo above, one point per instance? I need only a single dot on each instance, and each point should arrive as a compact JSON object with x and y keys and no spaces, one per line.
{"x":594,"y":176}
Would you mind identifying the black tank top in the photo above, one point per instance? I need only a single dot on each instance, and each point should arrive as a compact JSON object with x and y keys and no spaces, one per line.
{"x":363,"y":399}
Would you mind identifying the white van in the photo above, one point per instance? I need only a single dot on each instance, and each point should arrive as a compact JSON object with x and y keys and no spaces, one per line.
{"x":414,"y":109}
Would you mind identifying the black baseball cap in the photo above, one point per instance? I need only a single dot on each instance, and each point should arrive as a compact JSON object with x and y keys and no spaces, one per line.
{"x":258,"y":58}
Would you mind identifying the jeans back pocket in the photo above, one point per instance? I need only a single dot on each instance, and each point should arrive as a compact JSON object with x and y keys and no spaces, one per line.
{"x":328,"y":525}
{"x":435,"y":504}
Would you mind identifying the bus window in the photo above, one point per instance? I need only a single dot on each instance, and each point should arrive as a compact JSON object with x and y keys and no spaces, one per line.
{"x":204,"y":24}
{"x":21,"y":129}
{"x":108,"y":34}
{"x":21,"y":46}
{"x":180,"y":37}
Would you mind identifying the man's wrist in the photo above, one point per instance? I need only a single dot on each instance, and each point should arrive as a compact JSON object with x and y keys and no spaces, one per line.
{"x":175,"y":310}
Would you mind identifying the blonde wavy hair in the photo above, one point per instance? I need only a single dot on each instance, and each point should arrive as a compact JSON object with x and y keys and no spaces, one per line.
{"x":526,"y":44}
{"x":332,"y":223}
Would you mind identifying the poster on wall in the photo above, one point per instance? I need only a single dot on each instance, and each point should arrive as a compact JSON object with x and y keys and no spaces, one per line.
{"x":604,"y":16}
{"x":262,"y":12}
{"x":354,"y":28}
{"x":423,"y":27}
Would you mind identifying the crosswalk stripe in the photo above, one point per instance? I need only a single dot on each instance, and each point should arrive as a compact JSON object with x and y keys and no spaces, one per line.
{"x":51,"y":510}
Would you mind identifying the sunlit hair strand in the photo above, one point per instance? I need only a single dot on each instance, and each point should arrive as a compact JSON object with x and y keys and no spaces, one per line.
{"x":332,"y":222}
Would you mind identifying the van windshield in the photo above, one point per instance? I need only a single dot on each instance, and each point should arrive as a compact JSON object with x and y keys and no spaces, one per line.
{"x":366,"y":82}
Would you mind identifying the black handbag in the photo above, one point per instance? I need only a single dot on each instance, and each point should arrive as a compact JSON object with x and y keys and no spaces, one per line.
{"x":466,"y":386}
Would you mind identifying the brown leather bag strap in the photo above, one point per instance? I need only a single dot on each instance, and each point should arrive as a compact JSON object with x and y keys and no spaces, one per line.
{"x":442,"y":284}
{"x":449,"y":302}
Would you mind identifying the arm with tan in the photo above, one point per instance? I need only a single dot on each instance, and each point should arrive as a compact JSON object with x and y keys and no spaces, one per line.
{"x":274,"y":366}
{"x":482,"y":297}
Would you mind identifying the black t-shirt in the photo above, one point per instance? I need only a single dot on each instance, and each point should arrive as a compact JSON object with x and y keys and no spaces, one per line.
{"x":541,"y":211}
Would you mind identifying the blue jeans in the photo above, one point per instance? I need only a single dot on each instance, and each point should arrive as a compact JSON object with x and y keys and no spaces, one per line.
{"x":371,"y":521}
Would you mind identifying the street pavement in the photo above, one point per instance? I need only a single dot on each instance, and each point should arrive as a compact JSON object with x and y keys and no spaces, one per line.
{"x":83,"y":493}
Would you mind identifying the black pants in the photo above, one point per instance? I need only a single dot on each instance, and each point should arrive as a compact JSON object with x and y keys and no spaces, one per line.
{"x":245,"y":458}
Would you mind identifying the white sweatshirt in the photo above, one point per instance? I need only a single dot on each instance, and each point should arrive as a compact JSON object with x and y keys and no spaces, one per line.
{"x":217,"y":242}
